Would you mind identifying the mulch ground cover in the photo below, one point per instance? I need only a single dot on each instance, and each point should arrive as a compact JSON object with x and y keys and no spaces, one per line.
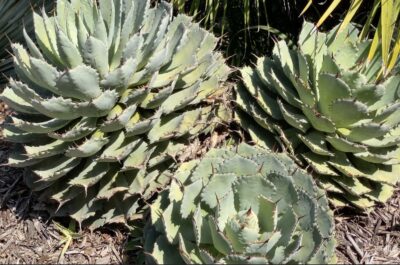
{"x":28,"y":236}
{"x":372,"y":238}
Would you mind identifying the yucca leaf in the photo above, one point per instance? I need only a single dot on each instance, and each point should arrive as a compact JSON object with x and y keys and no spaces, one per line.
{"x":355,"y":5}
{"x":328,"y":12}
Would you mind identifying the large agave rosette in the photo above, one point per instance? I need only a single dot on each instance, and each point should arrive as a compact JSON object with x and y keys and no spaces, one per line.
{"x":114,"y":90}
{"x":328,"y":106}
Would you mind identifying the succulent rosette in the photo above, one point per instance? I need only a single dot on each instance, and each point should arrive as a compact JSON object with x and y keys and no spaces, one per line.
{"x":327,"y":104}
{"x":111,"y":93}
{"x":240,"y":205}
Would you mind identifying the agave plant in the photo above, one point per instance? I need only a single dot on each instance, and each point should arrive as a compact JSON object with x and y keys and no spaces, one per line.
{"x":112,"y":92}
{"x":323,"y":104}
{"x":240,"y":205}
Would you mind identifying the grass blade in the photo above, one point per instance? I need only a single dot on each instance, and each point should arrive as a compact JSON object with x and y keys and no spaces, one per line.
{"x":375,"y":43}
{"x":355,"y":5}
{"x":306,"y":7}
{"x":328,"y":12}
{"x":366,"y":29}
{"x":387,"y":27}
{"x":395,"y":55}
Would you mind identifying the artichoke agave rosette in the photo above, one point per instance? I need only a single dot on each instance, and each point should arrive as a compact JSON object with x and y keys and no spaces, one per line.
{"x":326,"y":105}
{"x":241,"y":205}
{"x":112,"y":92}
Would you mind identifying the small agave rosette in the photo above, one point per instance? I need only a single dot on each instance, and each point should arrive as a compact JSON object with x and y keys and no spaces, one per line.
{"x":327,"y":105}
{"x":240,"y":205}
{"x":111,"y":93}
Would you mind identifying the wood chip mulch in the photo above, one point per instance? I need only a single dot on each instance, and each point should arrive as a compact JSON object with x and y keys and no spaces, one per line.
{"x":31,"y":241}
{"x":28,"y":236}
{"x":372,"y":238}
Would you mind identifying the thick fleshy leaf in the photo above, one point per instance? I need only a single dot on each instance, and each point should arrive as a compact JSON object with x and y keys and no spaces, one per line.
{"x":316,"y":142}
{"x":46,"y":150}
{"x":330,"y":88}
{"x":39,"y":127}
{"x":81,"y":82}
{"x":175,"y":125}
{"x":89,"y":147}
{"x":340,"y":109}
{"x":77,"y":131}
{"x":294,"y":118}
{"x":90,"y":175}
{"x":95,"y":53}
{"x":16,"y":102}
{"x":54,"y":169}
{"x":68,"y":50}
{"x":119,"y":121}
{"x":118,"y":148}
{"x":318,"y":120}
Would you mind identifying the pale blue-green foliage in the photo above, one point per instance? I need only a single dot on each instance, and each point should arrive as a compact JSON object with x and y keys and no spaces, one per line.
{"x":240,"y":205}
{"x":108,"y":93}
{"x":326,"y":106}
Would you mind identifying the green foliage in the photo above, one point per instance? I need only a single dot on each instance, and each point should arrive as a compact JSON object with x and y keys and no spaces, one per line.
{"x":215,"y":7}
{"x":111,"y":94}
{"x":385,"y":34}
{"x":323,"y":104}
{"x":246,"y":27}
{"x":12,"y":15}
{"x":240,"y":205}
